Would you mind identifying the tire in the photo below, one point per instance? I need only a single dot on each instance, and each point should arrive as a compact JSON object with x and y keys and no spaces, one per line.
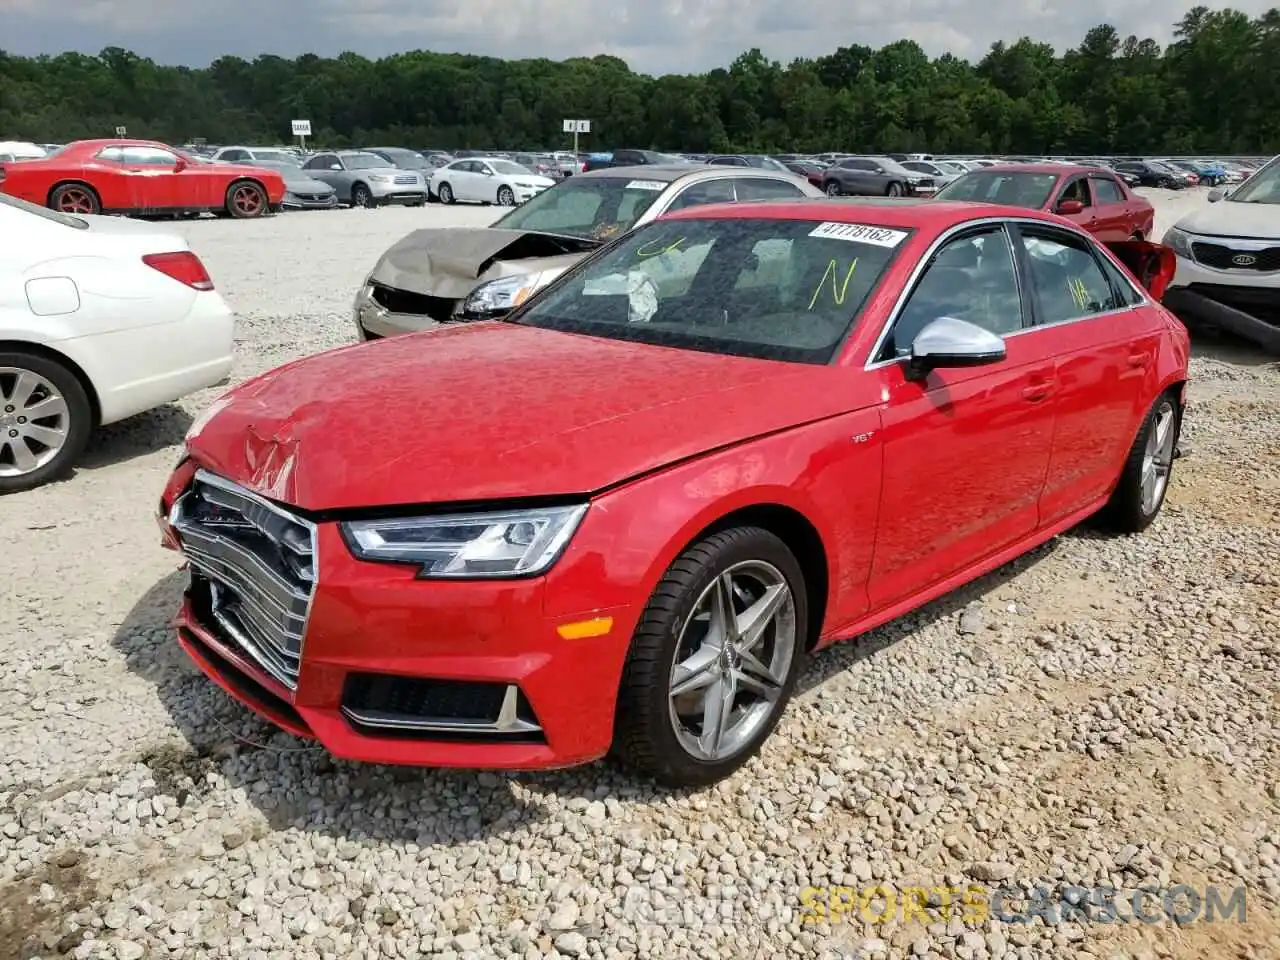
{"x":1130,"y":510}
{"x":506,"y":196}
{"x":362,"y":197}
{"x":75,"y":198}
{"x":39,"y":460}
{"x":445,"y":192}
{"x":832,"y":188}
{"x":650,"y":736}
{"x":246,"y":200}
{"x":893,"y":190}
{"x":1137,"y":236}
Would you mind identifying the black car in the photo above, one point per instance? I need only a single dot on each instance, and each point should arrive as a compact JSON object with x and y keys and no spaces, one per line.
{"x":627,"y":158}
{"x":875,"y":177}
{"x":1151,"y":173}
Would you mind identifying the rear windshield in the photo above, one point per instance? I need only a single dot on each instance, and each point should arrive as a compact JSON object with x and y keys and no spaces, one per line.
{"x":775,"y":289}
{"x":593,"y":208}
{"x":65,"y":219}
{"x":1013,"y":189}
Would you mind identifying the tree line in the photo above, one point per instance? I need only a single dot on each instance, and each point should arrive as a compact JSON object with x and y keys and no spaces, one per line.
{"x":1209,"y":91}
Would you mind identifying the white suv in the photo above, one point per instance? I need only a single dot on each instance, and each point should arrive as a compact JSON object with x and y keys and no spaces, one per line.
{"x":1228,"y":274}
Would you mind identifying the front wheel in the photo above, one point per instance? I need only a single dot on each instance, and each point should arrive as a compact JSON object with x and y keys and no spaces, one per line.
{"x":895,"y":190}
{"x":446,"y":193}
{"x":713,"y":660}
{"x":361,"y":197}
{"x":45,"y":421}
{"x":1144,"y":480}
{"x":245,"y":201}
{"x":506,"y":197}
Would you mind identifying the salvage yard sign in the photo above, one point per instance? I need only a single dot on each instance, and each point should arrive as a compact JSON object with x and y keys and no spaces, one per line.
{"x":576,"y":127}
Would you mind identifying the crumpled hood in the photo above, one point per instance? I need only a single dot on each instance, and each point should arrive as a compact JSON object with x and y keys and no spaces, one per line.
{"x":491,"y":411}
{"x":450,"y":262}
{"x":1260,"y":221}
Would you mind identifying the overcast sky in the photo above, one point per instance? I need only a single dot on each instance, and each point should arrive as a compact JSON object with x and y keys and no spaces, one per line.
{"x":655,"y":36}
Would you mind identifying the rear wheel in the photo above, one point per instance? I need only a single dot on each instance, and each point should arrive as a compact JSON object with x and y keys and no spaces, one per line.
{"x":246,"y":201}
{"x":45,"y":420}
{"x":1144,"y":481}
{"x":713,"y":660}
{"x":446,"y":193}
{"x":75,"y":198}
{"x":832,"y":188}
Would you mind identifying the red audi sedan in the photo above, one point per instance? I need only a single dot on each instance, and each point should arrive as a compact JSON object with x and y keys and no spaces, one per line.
{"x":621,"y":517}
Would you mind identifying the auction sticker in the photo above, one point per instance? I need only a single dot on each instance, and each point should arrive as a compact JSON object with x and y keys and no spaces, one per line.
{"x":646,"y":185}
{"x":859,"y":233}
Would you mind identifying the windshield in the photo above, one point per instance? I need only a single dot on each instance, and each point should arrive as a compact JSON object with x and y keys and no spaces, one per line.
{"x":774,"y":289}
{"x":1262,"y":187}
{"x":364,"y":161}
{"x":949,"y":166}
{"x":406,"y":159}
{"x":1008,"y":187}
{"x":592,"y":208}
{"x":65,"y":219}
{"x":507,"y":166}
{"x":276,"y":156}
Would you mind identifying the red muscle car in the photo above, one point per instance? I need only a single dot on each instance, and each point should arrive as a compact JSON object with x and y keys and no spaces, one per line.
{"x":729,"y":438}
{"x":1092,"y":198}
{"x":140,"y":177}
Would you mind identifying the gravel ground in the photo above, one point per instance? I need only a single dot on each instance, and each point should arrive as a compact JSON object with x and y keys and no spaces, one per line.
{"x":1102,"y":711}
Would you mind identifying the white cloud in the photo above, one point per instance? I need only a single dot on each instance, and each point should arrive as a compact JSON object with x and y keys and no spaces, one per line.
{"x":652,"y":35}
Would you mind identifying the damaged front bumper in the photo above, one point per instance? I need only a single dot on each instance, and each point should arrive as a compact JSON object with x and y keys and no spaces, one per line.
{"x":1251,"y":313}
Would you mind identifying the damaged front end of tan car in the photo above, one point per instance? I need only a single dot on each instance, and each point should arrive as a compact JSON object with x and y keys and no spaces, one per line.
{"x":437,"y":276}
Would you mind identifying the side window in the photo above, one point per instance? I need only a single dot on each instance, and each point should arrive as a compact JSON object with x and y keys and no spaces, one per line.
{"x":112,"y":154}
{"x":149,"y":157}
{"x":1106,"y":190}
{"x":1128,"y":296}
{"x":1067,"y":279}
{"x":709,"y":191}
{"x":761,"y":188}
{"x":971,"y":278}
{"x":1077,"y":189}
{"x":858,"y":164}
{"x":236,"y":155}
{"x":629,"y":157}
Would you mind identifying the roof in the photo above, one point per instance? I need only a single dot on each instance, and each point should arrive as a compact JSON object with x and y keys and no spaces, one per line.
{"x":670,"y":172}
{"x":877,"y":211}
{"x":115,"y":142}
{"x":1056,"y":169}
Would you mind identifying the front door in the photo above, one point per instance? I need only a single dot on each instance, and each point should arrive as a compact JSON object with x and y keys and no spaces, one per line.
{"x":966,"y":450}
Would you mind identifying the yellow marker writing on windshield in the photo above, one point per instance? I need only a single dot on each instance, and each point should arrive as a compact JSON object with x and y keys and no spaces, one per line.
{"x":837,"y":291}
{"x":656,"y":248}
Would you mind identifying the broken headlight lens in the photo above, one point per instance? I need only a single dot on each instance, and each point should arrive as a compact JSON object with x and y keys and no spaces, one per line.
{"x":510,"y":543}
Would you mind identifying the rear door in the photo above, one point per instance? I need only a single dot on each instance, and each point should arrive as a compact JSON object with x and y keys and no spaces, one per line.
{"x":766,"y":188}
{"x":1118,"y":215}
{"x":1087,"y":315}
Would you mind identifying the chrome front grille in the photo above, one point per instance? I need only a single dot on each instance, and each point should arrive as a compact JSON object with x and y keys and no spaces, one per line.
{"x":260,"y":561}
{"x":407,"y":180}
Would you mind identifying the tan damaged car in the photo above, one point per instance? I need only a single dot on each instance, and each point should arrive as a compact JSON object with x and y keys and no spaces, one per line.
{"x":447,"y":274}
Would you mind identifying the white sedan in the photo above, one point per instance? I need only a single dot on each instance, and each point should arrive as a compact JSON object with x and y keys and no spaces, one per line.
{"x":100,"y":318}
{"x":486,"y":180}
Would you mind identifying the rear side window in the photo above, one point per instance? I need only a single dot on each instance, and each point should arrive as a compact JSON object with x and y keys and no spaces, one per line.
{"x":1106,"y":190}
{"x":760,"y":188}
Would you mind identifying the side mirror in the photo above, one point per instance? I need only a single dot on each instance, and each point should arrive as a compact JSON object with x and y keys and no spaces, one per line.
{"x":487,"y":172}
{"x":1216,"y":194}
{"x":948,"y":342}
{"x":180,"y":165}
{"x":1069,"y":207}
{"x":335,"y":166}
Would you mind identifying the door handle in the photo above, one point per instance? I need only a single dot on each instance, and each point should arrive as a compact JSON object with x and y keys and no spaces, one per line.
{"x":1139,"y":360}
{"x":1037,"y":392}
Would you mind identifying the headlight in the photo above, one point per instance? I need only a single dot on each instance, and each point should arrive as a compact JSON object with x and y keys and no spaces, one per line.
{"x":381,"y":177}
{"x":502,"y":295}
{"x":513,"y":543}
{"x":1179,"y":242}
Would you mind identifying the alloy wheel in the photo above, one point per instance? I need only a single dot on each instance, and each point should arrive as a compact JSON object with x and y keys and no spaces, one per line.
{"x":247,"y":200}
{"x":732,"y":660}
{"x":35,"y":421}
{"x":1157,"y":457}
{"x":75,"y":200}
